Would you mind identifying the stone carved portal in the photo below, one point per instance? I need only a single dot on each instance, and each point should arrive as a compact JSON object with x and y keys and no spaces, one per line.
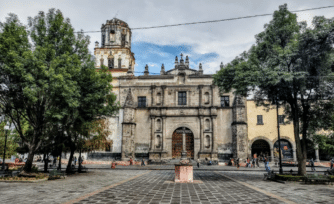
{"x":177,"y":143}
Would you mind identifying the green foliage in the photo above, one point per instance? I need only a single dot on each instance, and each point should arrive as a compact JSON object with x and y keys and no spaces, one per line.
{"x":326,"y":143}
{"x":290,"y":62}
{"x":12,"y":142}
{"x":51,"y":85}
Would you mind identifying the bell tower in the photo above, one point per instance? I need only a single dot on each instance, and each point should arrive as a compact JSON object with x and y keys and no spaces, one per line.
{"x":115,"y":50}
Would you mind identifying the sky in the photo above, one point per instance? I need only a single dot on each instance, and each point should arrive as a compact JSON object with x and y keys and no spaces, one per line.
{"x":209,"y":44}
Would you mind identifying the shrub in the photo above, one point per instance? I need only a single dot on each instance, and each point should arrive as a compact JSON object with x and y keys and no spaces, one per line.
{"x":289,"y":177}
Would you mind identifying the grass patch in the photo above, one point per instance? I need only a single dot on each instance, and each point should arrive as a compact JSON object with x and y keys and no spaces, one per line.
{"x":22,"y":178}
{"x":289,"y":177}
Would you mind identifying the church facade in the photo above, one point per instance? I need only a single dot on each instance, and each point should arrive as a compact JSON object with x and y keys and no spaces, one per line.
{"x":158,"y":111}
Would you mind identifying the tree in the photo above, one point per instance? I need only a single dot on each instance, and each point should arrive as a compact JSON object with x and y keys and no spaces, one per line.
{"x":42,"y":80}
{"x":290,"y":62}
{"x":12,"y":141}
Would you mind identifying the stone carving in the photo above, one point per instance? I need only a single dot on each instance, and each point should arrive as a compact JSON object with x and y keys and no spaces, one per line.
{"x":129,"y":99}
{"x":182,"y":112}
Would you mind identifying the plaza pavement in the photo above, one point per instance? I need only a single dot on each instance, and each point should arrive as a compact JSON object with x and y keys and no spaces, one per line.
{"x":135,"y":184}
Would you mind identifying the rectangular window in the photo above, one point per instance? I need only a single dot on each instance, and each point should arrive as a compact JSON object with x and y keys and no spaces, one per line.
{"x":259,"y":120}
{"x":142,"y":101}
{"x":182,"y":98}
{"x":281,"y":119}
{"x":225,"y":101}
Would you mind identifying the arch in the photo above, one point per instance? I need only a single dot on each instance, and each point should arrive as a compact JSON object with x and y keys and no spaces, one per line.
{"x":261,"y":146}
{"x":286,"y":149}
{"x":177,"y":143}
{"x":179,"y":125}
{"x":207,"y":124}
{"x":260,"y":138}
{"x":286,"y":138}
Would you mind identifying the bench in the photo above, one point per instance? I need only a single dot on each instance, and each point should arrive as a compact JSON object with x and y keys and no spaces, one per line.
{"x":316,"y":178}
{"x":55,"y":173}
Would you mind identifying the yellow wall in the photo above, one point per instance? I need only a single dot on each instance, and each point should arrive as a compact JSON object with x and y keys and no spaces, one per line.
{"x":269,"y":128}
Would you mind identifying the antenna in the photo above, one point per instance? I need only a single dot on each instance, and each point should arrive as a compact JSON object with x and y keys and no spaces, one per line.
{"x":116,"y":14}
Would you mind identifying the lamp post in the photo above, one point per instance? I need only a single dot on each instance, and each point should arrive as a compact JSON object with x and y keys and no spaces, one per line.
{"x":279,"y":140}
{"x":4,"y":152}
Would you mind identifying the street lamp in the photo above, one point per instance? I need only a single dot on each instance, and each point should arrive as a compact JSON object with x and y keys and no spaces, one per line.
{"x":4,"y":152}
{"x":279,"y":139}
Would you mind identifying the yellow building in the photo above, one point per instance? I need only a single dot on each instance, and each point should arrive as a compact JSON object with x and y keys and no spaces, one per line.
{"x":263,"y":131}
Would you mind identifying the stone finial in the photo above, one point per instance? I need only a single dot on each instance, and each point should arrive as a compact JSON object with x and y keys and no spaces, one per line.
{"x":146,"y":72}
{"x":162,"y":72}
{"x":130,"y":72}
{"x":181,"y":60}
{"x":221,"y":65}
{"x":187,"y":61}
{"x":176,"y":61}
{"x":200,"y":71}
{"x":96,"y":44}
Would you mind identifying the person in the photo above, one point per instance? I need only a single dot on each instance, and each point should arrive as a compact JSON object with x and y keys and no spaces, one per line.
{"x":267,"y":167}
{"x":248,"y":162}
{"x":312,"y":164}
{"x":198,"y":163}
{"x":54,"y":161}
{"x":232,"y":161}
{"x":237,"y":163}
{"x":131,"y":161}
{"x":75,"y":161}
{"x":82,"y":159}
{"x":210,"y":163}
{"x":142,"y":162}
{"x":332,"y":163}
{"x":253,"y":163}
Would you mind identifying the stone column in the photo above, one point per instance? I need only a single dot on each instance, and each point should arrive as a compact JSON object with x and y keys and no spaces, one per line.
{"x":294,"y":155}
{"x":163,"y":133}
{"x":163,"y":88}
{"x":152,"y":133}
{"x":214,"y":133}
{"x":317,"y":153}
{"x":272,"y":154}
{"x":201,"y":133}
{"x":212,"y":87}
{"x":184,"y":141}
{"x":152,"y":93}
{"x":200,"y":87}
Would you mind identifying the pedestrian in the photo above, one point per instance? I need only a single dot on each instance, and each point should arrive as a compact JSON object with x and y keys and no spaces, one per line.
{"x":75,"y":161}
{"x":142,"y":162}
{"x":80,"y":161}
{"x":253,"y":163}
{"x":198,"y":162}
{"x":54,"y":161}
{"x":232,"y":161}
{"x":312,"y":164}
{"x":237,"y":162}
{"x":332,"y":163}
{"x":131,"y":161}
{"x":248,"y":162}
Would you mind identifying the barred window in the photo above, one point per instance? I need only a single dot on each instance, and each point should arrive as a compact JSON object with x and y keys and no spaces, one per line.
{"x":281,"y":119}
{"x":259,"y":120}
{"x":142,"y":101}
{"x":225,"y":101}
{"x":182,"y":98}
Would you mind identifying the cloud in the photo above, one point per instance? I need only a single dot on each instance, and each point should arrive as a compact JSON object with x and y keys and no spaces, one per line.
{"x":208,"y":43}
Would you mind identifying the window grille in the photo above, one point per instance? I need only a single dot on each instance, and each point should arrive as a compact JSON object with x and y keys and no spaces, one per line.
{"x":260,"y":120}
{"x":225,"y":101}
{"x":141,"y":101}
{"x":182,"y":98}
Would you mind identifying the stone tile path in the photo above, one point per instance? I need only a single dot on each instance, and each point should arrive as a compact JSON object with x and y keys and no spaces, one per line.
{"x":60,"y":191}
{"x":294,"y":191}
{"x":152,"y":188}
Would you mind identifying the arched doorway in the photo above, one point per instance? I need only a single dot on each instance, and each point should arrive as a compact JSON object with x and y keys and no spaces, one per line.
{"x":261,"y":147}
{"x":177,"y":142}
{"x":286,"y":149}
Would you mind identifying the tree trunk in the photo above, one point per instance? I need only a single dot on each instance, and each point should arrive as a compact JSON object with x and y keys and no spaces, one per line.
{"x":69,"y":164}
{"x":300,"y":157}
{"x":28,"y":164}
